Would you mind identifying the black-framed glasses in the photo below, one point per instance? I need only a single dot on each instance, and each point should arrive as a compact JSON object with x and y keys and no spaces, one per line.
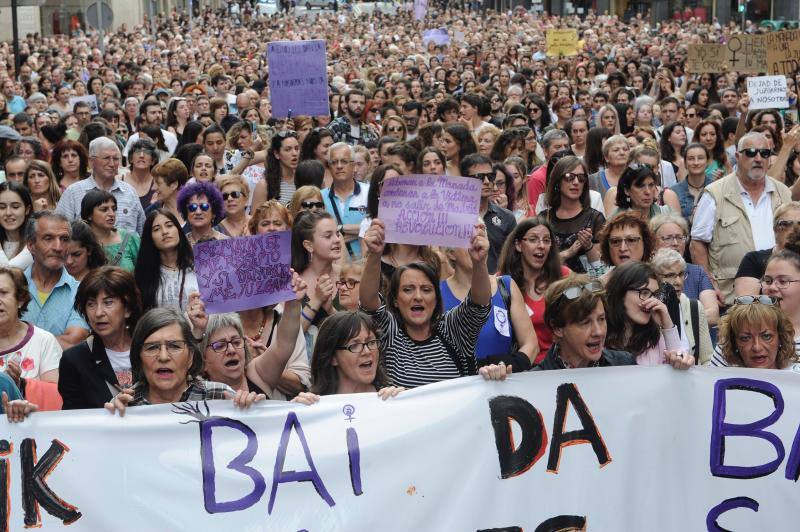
{"x":571,"y":177}
{"x":308,"y":205}
{"x":750,"y":153}
{"x":674,"y":276}
{"x":220,"y":346}
{"x":349,"y":283}
{"x":358,"y":347}
{"x":235,"y":195}
{"x":646,"y":293}
{"x":574,"y":292}
{"x":491,"y":176}
{"x":781,"y":283}
{"x":192,"y":207}
{"x":785,"y":225}
{"x":762,"y":300}
{"x":173,"y":347}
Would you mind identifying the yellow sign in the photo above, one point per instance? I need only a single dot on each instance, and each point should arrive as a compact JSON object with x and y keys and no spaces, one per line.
{"x":562,"y":42}
{"x":783,"y":52}
{"x":706,"y":58}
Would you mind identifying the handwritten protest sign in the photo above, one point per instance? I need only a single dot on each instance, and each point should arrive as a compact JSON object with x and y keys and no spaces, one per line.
{"x":91,"y":100}
{"x":562,"y":42}
{"x":746,"y":53}
{"x":429,"y":209}
{"x":703,"y":449}
{"x":438,"y":36}
{"x":783,"y":52}
{"x":706,"y":58}
{"x":298,"y":78}
{"x":244,"y":273}
{"x":767,"y":92}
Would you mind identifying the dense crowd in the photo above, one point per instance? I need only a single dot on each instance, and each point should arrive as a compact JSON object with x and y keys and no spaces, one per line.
{"x":630,"y":212}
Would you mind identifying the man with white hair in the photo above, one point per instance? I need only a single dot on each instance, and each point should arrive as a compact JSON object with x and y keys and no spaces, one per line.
{"x":346,"y":199}
{"x":735,"y":215}
{"x":104,"y":160}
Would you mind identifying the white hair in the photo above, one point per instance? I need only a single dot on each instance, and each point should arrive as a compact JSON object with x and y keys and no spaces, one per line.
{"x":752,"y":135}
{"x":665,"y":258}
{"x":101,"y":143}
{"x":338,"y":146}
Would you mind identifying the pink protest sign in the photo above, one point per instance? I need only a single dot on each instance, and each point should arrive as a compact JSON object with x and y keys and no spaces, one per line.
{"x":244,"y":273}
{"x":430,"y":209}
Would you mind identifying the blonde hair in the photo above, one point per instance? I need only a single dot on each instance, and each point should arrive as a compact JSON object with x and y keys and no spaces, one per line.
{"x":300,"y":195}
{"x":740,"y":316}
{"x":264,"y":210}
{"x":233,"y":179}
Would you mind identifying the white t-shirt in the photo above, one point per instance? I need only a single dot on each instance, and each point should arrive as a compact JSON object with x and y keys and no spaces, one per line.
{"x":121,"y":364}
{"x":37,"y":353}
{"x":170,"y":289}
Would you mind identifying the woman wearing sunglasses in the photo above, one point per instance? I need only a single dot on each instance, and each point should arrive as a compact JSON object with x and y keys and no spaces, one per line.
{"x":202,"y":206}
{"x":306,"y":198}
{"x":575,"y":310}
{"x":235,"y":194}
{"x":575,"y":223}
{"x":638,"y":320}
{"x":757,"y":333}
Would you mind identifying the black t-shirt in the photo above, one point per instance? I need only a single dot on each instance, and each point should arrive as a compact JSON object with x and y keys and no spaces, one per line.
{"x":754,"y":264}
{"x":499,"y":224}
{"x":566,"y":231}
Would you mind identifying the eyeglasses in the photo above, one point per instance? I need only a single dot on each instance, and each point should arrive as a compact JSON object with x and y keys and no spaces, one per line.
{"x":574,"y":292}
{"x":630,"y":241}
{"x":235,"y":195}
{"x":677,"y":239}
{"x":535,"y":241}
{"x":394,"y":129}
{"x":358,"y":347}
{"x":781,"y":283}
{"x":533,"y":110}
{"x":571,"y":177}
{"x":349,"y":283}
{"x":491,"y":176}
{"x":153,"y":349}
{"x":784,"y":225}
{"x":312,"y":205}
{"x":284,"y":134}
{"x":220,"y":346}
{"x":749,"y":300}
{"x":674,"y":276}
{"x":341,"y":162}
{"x":202,"y":206}
{"x":646,"y":293}
{"x":750,"y":153}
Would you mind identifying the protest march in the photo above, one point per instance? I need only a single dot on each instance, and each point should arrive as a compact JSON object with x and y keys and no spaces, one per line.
{"x":300,"y":269}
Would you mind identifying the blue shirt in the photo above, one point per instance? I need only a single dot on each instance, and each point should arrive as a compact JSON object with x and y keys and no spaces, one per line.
{"x":350,"y":211}
{"x":7,"y":385}
{"x":58,"y":312}
{"x":15,"y":104}
{"x":696,"y":281}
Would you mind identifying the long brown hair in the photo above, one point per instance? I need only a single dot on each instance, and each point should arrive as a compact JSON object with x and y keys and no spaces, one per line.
{"x":510,"y":262}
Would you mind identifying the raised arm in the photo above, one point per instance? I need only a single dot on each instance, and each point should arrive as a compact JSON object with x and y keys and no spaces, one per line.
{"x":371,"y":278}
{"x":481,"y":291}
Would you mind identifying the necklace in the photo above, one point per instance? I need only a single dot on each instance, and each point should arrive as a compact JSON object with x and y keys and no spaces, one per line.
{"x":233,"y":229}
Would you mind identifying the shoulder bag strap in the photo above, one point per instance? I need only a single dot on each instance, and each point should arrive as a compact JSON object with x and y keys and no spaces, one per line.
{"x":118,"y":256}
{"x":694,"y":313}
{"x":332,"y":197}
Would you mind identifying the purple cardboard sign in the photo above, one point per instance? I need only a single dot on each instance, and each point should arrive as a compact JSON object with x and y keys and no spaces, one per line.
{"x":430,"y":209}
{"x":244,"y":273}
{"x":438,"y":36}
{"x":298,"y":78}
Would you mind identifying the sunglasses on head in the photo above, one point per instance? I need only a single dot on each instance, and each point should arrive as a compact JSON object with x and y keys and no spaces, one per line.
{"x":285,"y":134}
{"x":749,"y":300}
{"x":750,"y":153}
{"x":235,"y":195}
{"x":202,"y":206}
{"x":574,"y":292}
{"x":312,"y":204}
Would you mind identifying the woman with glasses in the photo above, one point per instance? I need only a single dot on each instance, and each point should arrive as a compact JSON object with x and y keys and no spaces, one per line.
{"x":671,"y":268}
{"x":142,"y":157}
{"x":92,"y":372}
{"x":538,"y":114}
{"x":575,"y":223}
{"x":575,"y":310}
{"x":756,"y":333}
{"x":625,"y":238}
{"x":672,"y":232}
{"x":532,"y":260}
{"x":348,"y":286}
{"x":201,"y":205}
{"x":99,"y":212}
{"x":306,"y":198}
{"x":781,"y":278}
{"x":562,"y":109}
{"x":638,"y":320}
{"x":394,"y":126}
{"x":785,"y":222}
{"x":235,"y":194}
{"x":167,"y":367}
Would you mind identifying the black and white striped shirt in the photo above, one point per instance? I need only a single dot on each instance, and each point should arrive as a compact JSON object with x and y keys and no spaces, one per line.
{"x":410,"y":363}
{"x":719,"y":361}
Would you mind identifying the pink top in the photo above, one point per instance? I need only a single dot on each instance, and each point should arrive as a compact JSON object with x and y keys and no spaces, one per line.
{"x":670,"y":341}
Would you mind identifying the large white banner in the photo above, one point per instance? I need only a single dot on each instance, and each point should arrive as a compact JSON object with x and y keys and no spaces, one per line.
{"x":624,"y":449}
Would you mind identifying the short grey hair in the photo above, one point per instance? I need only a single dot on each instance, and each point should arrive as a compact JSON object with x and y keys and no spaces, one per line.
{"x":153,"y":320}
{"x":611,"y":141}
{"x":32,"y":226}
{"x":665,"y":258}
{"x":338,"y":146}
{"x":553,"y":135}
{"x":753,"y":135}
{"x":101,"y":143}
{"x":656,"y":222}
{"x":641,"y":101}
{"x":220,"y":321}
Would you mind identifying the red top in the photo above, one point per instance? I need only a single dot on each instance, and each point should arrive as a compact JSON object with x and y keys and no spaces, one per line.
{"x":536,"y":186}
{"x":536,"y":311}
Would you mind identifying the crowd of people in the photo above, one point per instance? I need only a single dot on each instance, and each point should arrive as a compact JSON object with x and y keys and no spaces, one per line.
{"x":630,"y":212}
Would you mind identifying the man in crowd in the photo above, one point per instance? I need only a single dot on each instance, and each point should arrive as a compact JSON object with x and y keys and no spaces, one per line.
{"x":349,"y":128}
{"x":151,"y":114}
{"x":346,"y":199}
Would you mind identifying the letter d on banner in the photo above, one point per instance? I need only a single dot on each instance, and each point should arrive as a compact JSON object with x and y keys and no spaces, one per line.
{"x":516,"y":460}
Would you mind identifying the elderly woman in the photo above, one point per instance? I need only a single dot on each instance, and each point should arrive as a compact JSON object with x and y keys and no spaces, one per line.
{"x":235,"y":194}
{"x":624,"y":238}
{"x":26,"y":351}
{"x":167,"y":365}
{"x":672,"y":231}
{"x":305,"y":198}
{"x":756,"y":333}
{"x":243,"y":363}
{"x":202,"y":206}
{"x":615,"y":156}
{"x":693,"y":325}
{"x":92,"y":372}
{"x":270,"y":216}
{"x":575,"y":310}
{"x":485,"y":137}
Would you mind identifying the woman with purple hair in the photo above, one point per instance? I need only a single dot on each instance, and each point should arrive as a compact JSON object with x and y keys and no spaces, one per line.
{"x":202,"y":207}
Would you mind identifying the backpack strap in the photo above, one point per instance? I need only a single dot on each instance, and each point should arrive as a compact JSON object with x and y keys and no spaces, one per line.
{"x":694,"y":313}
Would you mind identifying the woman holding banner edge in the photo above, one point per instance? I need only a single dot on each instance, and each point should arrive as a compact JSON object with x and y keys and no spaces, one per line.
{"x":420,"y":343}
